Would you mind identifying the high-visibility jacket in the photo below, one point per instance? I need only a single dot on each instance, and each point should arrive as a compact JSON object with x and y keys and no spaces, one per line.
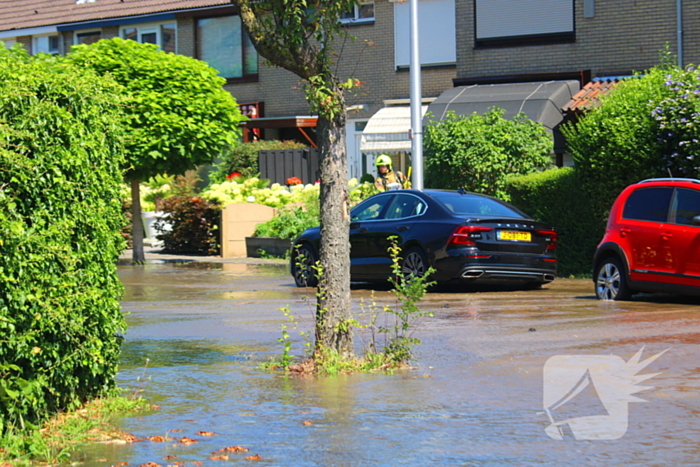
{"x":382,"y":181}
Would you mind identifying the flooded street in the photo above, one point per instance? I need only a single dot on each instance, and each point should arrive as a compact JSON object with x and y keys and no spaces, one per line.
{"x":199,"y":331}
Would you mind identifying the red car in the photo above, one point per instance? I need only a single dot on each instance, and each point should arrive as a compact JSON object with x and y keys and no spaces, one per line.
{"x":652,"y":241}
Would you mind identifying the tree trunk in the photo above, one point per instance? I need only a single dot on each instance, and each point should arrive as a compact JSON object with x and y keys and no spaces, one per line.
{"x":136,"y":224}
{"x":333,"y":307}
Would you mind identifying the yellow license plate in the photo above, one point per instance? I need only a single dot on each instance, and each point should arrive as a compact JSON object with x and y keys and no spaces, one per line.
{"x":514,"y":236}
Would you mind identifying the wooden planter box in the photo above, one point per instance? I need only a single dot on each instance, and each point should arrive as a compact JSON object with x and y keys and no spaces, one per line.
{"x":271,"y":246}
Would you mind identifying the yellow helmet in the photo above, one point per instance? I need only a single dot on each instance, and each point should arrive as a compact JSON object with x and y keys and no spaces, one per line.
{"x":383,"y":159}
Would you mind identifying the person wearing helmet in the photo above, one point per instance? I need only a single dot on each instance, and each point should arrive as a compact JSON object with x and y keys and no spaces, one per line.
{"x":386,"y":176}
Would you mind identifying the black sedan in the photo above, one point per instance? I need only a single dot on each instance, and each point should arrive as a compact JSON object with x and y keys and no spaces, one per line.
{"x":464,"y":236}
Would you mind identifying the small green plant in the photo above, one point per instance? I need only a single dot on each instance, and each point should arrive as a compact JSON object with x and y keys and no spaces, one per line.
{"x":408,"y":290}
{"x":399,"y":341}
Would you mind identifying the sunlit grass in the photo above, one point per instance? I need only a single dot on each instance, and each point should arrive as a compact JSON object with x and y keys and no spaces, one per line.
{"x":53,"y":442}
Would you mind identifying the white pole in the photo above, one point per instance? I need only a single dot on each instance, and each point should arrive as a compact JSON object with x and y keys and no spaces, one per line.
{"x":416,"y":117}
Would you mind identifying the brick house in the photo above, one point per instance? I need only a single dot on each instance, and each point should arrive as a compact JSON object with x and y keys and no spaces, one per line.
{"x":474,"y":53}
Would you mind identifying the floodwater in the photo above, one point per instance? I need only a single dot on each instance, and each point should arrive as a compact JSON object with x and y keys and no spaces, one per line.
{"x":199,"y":331}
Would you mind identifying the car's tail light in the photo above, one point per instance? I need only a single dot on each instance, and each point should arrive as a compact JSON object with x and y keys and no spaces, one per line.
{"x":551,"y":237}
{"x":466,"y":234}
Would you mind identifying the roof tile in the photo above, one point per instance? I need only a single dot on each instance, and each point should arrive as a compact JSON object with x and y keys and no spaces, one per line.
{"x":589,"y":95}
{"x":21,"y":14}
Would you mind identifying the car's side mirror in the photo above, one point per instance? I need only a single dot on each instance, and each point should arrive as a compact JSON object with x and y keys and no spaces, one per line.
{"x":696,"y":220}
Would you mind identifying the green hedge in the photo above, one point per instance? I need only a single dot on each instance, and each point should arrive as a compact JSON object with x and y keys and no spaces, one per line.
{"x":60,"y":217}
{"x":556,"y":197}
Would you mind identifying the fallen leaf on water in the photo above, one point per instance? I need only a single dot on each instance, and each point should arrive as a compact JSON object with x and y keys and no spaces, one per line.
{"x":121,"y":463}
{"x":307,"y":422}
{"x":256,"y":457}
{"x":178,"y":463}
{"x":176,"y":430}
{"x":222,"y":457}
{"x":190,"y":420}
{"x":234,"y":449}
{"x":167,"y":458}
{"x":197,"y":463}
{"x":155,"y":407}
{"x":149,"y":464}
{"x":185,"y":440}
{"x":157,"y":439}
{"x":206,"y":433}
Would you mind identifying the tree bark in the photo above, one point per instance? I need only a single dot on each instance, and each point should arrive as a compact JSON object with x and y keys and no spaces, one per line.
{"x":333,"y":307}
{"x":138,"y":255}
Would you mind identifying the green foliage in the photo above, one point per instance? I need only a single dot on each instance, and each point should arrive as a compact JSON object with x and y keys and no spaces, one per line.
{"x":678,"y":118}
{"x":480,"y":152}
{"x":289,"y":222}
{"x":398,"y":345}
{"x":66,"y":432}
{"x":243,"y":158}
{"x":178,"y":114}
{"x":557,"y":197}
{"x":194,"y":226}
{"x":60,"y":217}
{"x":408,"y":290}
{"x":616,"y":144}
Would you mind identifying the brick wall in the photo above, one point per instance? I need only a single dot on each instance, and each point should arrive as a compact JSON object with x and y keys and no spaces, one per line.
{"x":624,"y":36}
{"x":370,"y":58}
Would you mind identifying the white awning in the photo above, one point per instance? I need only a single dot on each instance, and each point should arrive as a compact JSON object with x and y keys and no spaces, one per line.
{"x":387,"y":131}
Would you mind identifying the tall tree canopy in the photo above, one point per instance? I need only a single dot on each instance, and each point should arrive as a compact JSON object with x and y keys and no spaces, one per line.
{"x":298,"y":35}
{"x":178,"y":115}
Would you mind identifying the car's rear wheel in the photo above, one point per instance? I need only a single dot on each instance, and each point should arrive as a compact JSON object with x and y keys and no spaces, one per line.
{"x":611,"y":281}
{"x":414,"y":262}
{"x":303,"y":266}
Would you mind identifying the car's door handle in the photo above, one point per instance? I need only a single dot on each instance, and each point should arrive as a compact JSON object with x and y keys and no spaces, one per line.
{"x":362,"y":229}
{"x":666,"y":236}
{"x":402,"y":228}
{"x":624,"y":232}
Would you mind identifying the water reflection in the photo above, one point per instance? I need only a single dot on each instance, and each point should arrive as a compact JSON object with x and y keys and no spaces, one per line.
{"x":474,"y":398}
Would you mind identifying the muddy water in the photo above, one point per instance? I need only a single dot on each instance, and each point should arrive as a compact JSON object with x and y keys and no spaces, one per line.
{"x":474,"y":398}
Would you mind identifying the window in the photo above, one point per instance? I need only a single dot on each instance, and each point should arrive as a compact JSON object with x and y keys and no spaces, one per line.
{"x":370,"y":209}
{"x":648,"y":204}
{"x":88,"y":38}
{"x":223,"y":43}
{"x":436,"y":33}
{"x":687,"y":206}
{"x":524,"y":22}
{"x":164,"y":35}
{"x":45,"y":44}
{"x":364,"y":11}
{"x":9,"y":42}
{"x":405,"y":206}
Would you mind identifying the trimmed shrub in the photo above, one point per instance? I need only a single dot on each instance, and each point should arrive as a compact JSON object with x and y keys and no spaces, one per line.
{"x":194,"y":226}
{"x":557,"y":198}
{"x":480,"y":152}
{"x":243,"y":158}
{"x":617,"y":143}
{"x":289,"y":223}
{"x":60,"y":218}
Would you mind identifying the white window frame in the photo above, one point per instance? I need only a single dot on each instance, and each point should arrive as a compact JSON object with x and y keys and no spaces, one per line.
{"x":84,"y":31}
{"x":37,"y":38}
{"x":149,"y":28}
{"x":356,"y":14}
{"x":515,"y":19}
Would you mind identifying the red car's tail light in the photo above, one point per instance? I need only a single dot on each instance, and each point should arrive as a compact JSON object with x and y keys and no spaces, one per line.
{"x":551,"y":236}
{"x":463,"y":234}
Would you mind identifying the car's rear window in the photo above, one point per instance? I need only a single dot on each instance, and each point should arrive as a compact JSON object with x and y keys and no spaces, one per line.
{"x":471,"y":205}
